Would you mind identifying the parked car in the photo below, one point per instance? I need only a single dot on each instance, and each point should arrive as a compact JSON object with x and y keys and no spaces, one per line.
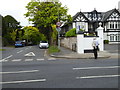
{"x":43,"y":44}
{"x":19,"y":44}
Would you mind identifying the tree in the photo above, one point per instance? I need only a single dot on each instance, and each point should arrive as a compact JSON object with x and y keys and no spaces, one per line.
{"x":46,"y":14}
{"x":33,"y":34}
{"x":54,"y":34}
{"x":9,"y":25}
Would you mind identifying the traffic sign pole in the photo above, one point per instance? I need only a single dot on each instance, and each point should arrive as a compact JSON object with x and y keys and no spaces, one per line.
{"x":58,"y":24}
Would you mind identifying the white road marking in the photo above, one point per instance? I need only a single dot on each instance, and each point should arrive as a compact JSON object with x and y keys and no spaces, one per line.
{"x":96,"y":67}
{"x":104,"y":76}
{"x":19,"y":72}
{"x":16,"y":60}
{"x":51,"y":59}
{"x":30,"y":54}
{"x":20,"y":51}
{"x":3,"y":60}
{"x":28,"y":59}
{"x":25,"y":81}
{"x":7,"y":57}
{"x":40,"y":59}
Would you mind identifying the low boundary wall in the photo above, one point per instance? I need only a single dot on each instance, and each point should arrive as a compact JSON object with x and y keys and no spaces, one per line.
{"x":69,"y":42}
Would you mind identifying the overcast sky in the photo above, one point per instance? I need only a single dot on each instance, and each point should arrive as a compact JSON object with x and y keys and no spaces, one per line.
{"x":16,"y":8}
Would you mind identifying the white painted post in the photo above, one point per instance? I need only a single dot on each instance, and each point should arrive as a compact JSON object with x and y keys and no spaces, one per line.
{"x":74,"y":26}
{"x":101,"y":39}
{"x":86,"y":27}
{"x":80,"y":42}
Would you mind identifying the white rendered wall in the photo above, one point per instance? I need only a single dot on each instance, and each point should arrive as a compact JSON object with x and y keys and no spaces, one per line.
{"x":74,"y":26}
{"x":85,"y":43}
{"x":101,"y":38}
{"x":80,"y":43}
{"x":86,"y":25}
{"x":88,"y":42}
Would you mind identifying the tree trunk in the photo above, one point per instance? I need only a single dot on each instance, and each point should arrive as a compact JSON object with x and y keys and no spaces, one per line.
{"x":50,"y":36}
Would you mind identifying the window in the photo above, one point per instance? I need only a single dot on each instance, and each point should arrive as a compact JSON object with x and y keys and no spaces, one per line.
{"x":112,"y":37}
{"x":118,"y":25}
{"x":110,"y":26}
{"x":114,"y":25}
{"x":118,"y":37}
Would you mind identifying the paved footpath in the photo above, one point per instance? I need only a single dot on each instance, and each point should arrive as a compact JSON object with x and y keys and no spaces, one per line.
{"x":110,"y":51}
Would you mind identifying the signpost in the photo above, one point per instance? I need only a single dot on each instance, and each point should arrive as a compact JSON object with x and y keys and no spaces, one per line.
{"x":58,"y":24}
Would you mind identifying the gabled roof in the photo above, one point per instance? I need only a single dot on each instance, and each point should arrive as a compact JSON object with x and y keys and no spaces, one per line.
{"x":74,"y":17}
{"x":80,"y":13}
{"x":108,"y":13}
{"x":100,"y":16}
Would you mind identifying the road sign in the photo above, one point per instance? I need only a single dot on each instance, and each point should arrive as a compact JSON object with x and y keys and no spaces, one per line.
{"x":58,"y":24}
{"x":58,"y":29}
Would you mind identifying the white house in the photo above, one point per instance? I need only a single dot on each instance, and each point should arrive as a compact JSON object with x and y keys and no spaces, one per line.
{"x":89,"y":21}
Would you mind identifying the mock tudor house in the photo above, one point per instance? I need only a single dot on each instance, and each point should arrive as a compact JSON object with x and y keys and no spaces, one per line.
{"x":89,"y":22}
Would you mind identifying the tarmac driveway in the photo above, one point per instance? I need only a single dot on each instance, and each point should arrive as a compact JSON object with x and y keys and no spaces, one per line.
{"x":112,"y":48}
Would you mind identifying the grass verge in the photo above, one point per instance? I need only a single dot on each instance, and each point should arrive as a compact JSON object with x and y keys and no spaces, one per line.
{"x":53,"y":49}
{"x":2,"y":49}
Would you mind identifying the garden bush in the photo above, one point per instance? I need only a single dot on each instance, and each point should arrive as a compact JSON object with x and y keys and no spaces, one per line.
{"x":106,"y":41}
{"x":71,"y":33}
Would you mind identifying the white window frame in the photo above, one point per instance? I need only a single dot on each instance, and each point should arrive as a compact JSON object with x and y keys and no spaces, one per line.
{"x":112,"y":37}
{"x":113,"y":25}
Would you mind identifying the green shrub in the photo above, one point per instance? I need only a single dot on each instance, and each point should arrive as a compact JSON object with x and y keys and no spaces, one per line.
{"x":71,"y":33}
{"x":106,"y":41}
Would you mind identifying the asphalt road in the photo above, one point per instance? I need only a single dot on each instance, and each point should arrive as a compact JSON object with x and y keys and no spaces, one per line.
{"x":28,"y":67}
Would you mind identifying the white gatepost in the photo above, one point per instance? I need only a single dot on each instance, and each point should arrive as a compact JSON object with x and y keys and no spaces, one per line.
{"x":80,"y":42}
{"x":101,"y":36}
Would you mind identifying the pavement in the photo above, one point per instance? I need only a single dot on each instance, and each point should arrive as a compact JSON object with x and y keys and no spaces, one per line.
{"x":110,"y":51}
